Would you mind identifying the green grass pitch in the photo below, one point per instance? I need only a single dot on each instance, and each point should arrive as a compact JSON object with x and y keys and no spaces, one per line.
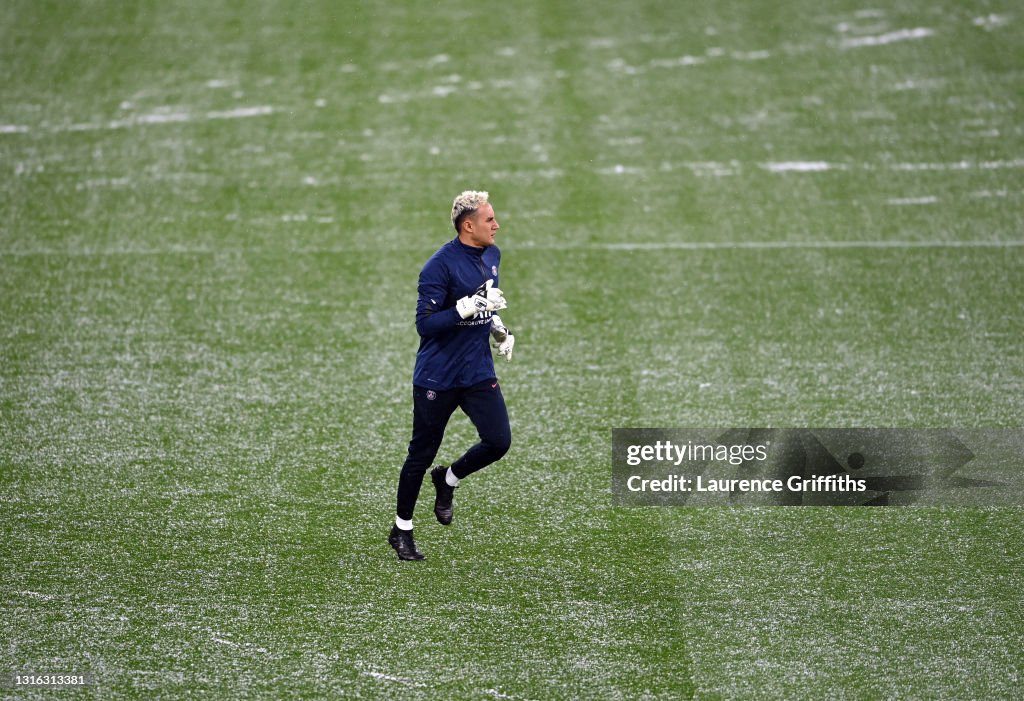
{"x":727,"y":214}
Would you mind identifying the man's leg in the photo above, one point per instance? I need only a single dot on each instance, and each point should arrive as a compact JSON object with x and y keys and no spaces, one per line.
{"x":485,"y":406}
{"x":431,"y":411}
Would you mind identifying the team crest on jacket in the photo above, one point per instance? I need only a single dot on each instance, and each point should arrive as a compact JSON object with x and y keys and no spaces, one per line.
{"x":431,"y":395}
{"x":494,"y":270}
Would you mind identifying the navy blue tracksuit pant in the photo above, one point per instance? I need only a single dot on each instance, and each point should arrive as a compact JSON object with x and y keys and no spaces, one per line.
{"x":483,"y":404}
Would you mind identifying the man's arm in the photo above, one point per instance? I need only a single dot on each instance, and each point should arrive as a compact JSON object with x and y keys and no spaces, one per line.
{"x":504,"y":341}
{"x":431,"y":319}
{"x":487,"y":298}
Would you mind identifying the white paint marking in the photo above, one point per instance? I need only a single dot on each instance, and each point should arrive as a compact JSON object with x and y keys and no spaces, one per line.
{"x":722,"y":169}
{"x":103,"y":182}
{"x":709,"y":168}
{"x":682,"y":61}
{"x":929,"y":199}
{"x":546,"y":174}
{"x":392,"y":678}
{"x":613,"y":246}
{"x":798,"y":166}
{"x":241,"y":112}
{"x":925,"y":84}
{"x":766,"y":245}
{"x":499,"y":695}
{"x":887,"y":38}
{"x":960,"y":165}
{"x":619,"y":169}
{"x":13,"y":129}
{"x":247,"y":646}
{"x":989,"y":22}
{"x":157,"y":118}
{"x":167,"y":118}
{"x":751,"y":55}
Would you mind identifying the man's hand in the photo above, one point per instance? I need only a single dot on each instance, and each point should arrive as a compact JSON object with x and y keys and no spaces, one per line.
{"x":504,"y":341}
{"x":487,"y":298}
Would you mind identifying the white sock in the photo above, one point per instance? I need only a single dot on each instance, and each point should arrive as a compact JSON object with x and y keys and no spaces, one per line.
{"x":403,"y":524}
{"x":450,"y":479}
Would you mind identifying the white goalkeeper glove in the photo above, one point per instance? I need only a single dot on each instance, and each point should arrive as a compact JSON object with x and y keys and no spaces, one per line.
{"x":504,"y":341}
{"x":487,"y":298}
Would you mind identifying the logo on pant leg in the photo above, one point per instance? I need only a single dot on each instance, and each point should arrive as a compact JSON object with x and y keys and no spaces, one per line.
{"x":431,"y":395}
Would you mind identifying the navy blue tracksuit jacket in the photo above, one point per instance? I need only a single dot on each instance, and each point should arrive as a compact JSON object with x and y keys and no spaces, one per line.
{"x":454,"y":352}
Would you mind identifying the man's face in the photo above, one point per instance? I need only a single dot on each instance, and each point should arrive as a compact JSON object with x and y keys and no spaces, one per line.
{"x":480,"y":227}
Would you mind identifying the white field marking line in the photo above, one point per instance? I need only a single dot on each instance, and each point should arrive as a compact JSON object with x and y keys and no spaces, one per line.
{"x":189,"y":250}
{"x":499,"y":695}
{"x":530,"y":82}
{"x":799,"y":166}
{"x":232,"y":643}
{"x":390,"y":678}
{"x":990,"y":22}
{"x":614,"y":246}
{"x":719,"y":169}
{"x":821,"y":166}
{"x":619,"y":64}
{"x":921,"y":84}
{"x":760,"y":245}
{"x":148,"y":119}
{"x":927,"y":199}
{"x":177,"y":117}
{"x":960,"y":165}
{"x":37,"y":595}
{"x":887,"y":38}
{"x":241,"y":112}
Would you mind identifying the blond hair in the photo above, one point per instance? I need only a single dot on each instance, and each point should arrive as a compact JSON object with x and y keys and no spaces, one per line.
{"x":465,"y":204}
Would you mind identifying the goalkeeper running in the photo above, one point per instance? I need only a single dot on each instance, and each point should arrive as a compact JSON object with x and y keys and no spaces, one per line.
{"x":455,"y":317}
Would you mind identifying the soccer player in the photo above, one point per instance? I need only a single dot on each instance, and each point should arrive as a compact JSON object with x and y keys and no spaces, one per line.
{"x":455,"y":315}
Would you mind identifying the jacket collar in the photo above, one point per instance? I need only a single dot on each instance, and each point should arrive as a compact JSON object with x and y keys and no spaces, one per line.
{"x":473,"y":250}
